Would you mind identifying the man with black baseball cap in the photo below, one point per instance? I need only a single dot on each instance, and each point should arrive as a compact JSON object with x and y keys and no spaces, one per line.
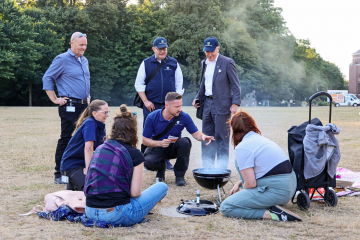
{"x":219,"y":97}
{"x":168,"y":78}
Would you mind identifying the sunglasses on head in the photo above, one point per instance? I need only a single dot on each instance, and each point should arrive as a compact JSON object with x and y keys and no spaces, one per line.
{"x":79,"y":36}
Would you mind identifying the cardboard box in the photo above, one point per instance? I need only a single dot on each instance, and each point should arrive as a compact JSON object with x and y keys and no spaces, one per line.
{"x":343,"y":183}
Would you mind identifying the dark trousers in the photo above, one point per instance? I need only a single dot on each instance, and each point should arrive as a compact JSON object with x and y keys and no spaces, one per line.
{"x":68,"y":120}
{"x":146,"y":112}
{"x":215,"y":125}
{"x":76,"y":179}
{"x":155,"y":157}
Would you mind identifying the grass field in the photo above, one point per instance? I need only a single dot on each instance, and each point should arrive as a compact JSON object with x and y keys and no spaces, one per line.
{"x":28,"y":138}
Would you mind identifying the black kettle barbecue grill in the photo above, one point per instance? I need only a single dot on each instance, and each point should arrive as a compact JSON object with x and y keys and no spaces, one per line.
{"x":210,"y":178}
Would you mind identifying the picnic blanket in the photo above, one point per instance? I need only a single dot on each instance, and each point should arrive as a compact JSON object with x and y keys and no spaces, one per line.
{"x":65,"y":212}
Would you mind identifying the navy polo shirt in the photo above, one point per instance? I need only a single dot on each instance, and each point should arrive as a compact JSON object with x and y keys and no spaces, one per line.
{"x":155,"y":124}
{"x":74,"y":156}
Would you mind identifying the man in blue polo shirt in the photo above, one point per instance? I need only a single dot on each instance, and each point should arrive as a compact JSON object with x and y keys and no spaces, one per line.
{"x":70,"y":72}
{"x":171,"y":145}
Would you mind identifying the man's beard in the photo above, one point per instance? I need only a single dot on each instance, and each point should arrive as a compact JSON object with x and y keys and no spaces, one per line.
{"x":175,"y":114}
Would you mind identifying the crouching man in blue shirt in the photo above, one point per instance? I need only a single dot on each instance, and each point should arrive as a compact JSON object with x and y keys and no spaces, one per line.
{"x":171,"y":144}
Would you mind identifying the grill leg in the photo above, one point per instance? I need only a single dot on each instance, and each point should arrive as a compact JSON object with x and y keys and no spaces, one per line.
{"x":219,"y":192}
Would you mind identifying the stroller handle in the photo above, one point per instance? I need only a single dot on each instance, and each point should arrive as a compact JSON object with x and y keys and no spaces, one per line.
{"x":315,"y":96}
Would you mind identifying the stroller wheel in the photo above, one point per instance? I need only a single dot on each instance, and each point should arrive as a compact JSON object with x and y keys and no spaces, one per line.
{"x":332,"y":198}
{"x":303,"y":201}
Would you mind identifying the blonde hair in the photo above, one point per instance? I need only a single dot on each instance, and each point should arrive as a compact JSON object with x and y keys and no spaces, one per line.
{"x":124,"y":127}
{"x":94,"y":106}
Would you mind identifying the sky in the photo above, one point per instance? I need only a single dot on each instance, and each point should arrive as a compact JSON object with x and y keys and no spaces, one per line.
{"x":332,"y":26}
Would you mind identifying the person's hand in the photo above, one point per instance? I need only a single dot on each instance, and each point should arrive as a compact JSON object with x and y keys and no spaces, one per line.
{"x":149,"y":105}
{"x":196,"y":105}
{"x":88,"y":100}
{"x":85,"y":171}
{"x":61,"y":101}
{"x":165,"y":143}
{"x":208,"y":139}
{"x":236,"y":187}
{"x":233,"y":108}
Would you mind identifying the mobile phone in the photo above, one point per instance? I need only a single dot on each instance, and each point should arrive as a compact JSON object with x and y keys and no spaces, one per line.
{"x":197,"y":101}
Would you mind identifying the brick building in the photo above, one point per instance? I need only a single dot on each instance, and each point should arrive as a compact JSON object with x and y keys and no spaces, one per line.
{"x":354,"y":75}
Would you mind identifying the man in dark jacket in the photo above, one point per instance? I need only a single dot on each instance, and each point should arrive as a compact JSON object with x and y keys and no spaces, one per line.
{"x":219,"y":96}
{"x":168,"y":79}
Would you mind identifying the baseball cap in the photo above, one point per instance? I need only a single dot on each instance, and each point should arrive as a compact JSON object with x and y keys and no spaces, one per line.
{"x":160,"y":42}
{"x":210,"y":44}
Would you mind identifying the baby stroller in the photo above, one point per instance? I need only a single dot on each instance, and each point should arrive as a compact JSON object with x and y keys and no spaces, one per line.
{"x":296,"y":136}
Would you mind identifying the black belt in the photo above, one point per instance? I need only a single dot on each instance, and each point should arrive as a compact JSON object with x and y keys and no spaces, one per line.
{"x":211,"y":97}
{"x":76,"y":100}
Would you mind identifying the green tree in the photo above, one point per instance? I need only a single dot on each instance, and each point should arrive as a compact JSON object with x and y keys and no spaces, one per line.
{"x":51,"y":45}
{"x":103,"y":32}
{"x":189,"y":23}
{"x":142,"y":22}
{"x":19,"y":30}
{"x":7,"y":62}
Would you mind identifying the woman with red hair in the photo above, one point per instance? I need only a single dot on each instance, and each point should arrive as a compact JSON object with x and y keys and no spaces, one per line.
{"x":266,"y":175}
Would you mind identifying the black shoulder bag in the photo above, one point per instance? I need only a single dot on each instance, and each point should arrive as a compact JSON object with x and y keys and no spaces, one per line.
{"x":137,"y":100}
{"x":200,"y":109}
{"x":167,"y":129}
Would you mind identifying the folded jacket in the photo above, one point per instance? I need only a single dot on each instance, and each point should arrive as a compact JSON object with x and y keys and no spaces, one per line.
{"x":316,"y":143}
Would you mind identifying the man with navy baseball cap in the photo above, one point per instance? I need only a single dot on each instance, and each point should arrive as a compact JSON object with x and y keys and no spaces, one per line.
{"x":210,"y":44}
{"x":167,"y":78}
{"x":219,"y":97}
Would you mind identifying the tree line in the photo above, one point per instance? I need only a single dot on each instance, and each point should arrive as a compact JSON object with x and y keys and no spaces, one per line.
{"x":269,"y":59}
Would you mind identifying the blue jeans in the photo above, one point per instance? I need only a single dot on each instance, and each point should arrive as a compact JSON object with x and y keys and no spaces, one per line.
{"x":133,"y":212}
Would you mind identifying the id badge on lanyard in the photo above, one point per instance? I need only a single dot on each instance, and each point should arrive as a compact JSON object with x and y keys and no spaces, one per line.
{"x":70,"y":107}
{"x":65,"y":178}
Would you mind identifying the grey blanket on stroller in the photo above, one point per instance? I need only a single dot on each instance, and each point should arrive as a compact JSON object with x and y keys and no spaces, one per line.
{"x":317,"y":142}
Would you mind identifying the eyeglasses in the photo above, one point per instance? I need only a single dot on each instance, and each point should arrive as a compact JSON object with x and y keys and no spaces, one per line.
{"x":161,"y":49}
{"x":79,"y":36}
{"x":106,"y":112}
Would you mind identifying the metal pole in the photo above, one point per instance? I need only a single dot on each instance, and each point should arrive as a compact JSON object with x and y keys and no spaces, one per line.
{"x":219,"y":192}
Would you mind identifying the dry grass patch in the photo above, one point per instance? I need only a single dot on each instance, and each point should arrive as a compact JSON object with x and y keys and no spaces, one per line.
{"x":28,"y":141}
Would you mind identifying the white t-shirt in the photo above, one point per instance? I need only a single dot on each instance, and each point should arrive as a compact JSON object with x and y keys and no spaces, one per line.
{"x":259,"y":153}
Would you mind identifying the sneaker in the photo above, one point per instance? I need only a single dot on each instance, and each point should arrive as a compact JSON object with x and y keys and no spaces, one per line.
{"x":160,"y":179}
{"x":180,"y":181}
{"x":59,"y":181}
{"x":284,"y":214}
{"x":161,"y":173}
{"x":169,"y":166}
